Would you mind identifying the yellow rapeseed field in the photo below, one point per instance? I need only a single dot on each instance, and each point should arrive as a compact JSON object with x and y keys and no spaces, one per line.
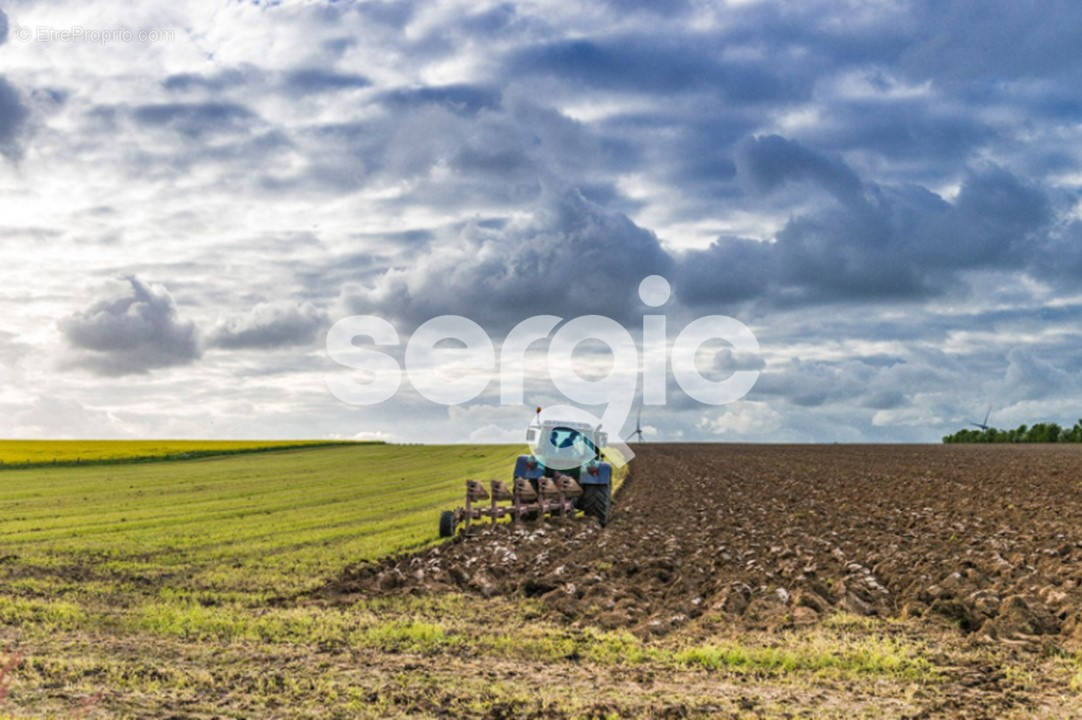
{"x":65,"y":452}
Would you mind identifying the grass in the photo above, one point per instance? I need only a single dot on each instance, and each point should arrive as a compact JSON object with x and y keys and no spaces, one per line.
{"x":460,"y":626}
{"x":269,"y":523}
{"x":31,"y":453}
{"x":823,"y":653}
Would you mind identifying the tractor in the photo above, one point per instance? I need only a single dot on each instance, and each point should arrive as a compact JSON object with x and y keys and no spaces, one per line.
{"x":564,"y":472}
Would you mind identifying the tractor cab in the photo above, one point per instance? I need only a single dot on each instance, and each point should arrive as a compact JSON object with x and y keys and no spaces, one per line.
{"x":561,"y":447}
{"x":565,"y":445}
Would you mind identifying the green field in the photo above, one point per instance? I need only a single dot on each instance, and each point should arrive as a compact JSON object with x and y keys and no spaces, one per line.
{"x":203,"y":547}
{"x":23,"y":453}
{"x":262,"y":524}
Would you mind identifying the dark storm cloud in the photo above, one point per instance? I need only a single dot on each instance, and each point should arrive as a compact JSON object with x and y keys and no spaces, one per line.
{"x":867,"y":241}
{"x":684,"y":148}
{"x":862,"y":241}
{"x":569,"y":258}
{"x":903,"y":130}
{"x":800,"y":55}
{"x":270,"y":325}
{"x":732,"y":269}
{"x":765,"y":163}
{"x":133,"y":330}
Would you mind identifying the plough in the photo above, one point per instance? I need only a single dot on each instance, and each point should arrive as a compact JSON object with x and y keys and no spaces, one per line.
{"x":554,"y":496}
{"x":537,"y":490}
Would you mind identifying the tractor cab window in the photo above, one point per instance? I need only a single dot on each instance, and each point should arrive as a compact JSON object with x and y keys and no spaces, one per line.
{"x":562,"y":438}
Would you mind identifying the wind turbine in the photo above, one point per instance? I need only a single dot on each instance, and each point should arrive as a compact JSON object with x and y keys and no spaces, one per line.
{"x":983,"y":425}
{"x":638,"y":426}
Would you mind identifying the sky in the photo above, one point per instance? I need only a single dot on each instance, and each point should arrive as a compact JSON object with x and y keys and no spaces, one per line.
{"x":887,"y":194}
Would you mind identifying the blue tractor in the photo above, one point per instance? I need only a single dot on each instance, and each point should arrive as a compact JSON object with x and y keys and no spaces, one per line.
{"x":564,"y":472}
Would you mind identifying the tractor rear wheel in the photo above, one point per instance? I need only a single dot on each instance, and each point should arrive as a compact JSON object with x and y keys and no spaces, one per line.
{"x":447,"y":523}
{"x":597,"y":502}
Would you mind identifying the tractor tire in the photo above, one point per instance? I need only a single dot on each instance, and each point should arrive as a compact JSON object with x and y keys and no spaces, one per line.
{"x":447,"y":523}
{"x":597,"y":502}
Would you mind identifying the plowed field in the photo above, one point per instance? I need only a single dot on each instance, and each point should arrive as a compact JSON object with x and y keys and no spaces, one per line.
{"x":990,"y":538}
{"x":982,"y":543}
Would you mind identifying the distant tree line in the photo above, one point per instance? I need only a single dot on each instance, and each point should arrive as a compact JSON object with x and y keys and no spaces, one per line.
{"x":1039,"y":433}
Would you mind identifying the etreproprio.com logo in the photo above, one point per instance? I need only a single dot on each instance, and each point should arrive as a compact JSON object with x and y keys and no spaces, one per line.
{"x":458,"y":375}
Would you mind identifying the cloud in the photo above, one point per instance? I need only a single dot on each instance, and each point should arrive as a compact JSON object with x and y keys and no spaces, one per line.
{"x":13,"y":116}
{"x":885,"y":400}
{"x":727,"y":362}
{"x":903,"y":129}
{"x":214,"y":82}
{"x":741,"y":418}
{"x":655,"y":63}
{"x":136,"y":328}
{"x":309,"y":81}
{"x":886,"y":191}
{"x":765,"y":163}
{"x":13,"y":355}
{"x":460,"y":98}
{"x":814,"y":383}
{"x":959,"y":47}
{"x":569,"y":257}
{"x":270,"y":325}
{"x":13,"y":111}
{"x":373,"y":436}
{"x":870,"y":241}
{"x":58,"y":417}
{"x":1030,"y":377}
{"x":297,"y":81}
{"x":196,"y":120}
